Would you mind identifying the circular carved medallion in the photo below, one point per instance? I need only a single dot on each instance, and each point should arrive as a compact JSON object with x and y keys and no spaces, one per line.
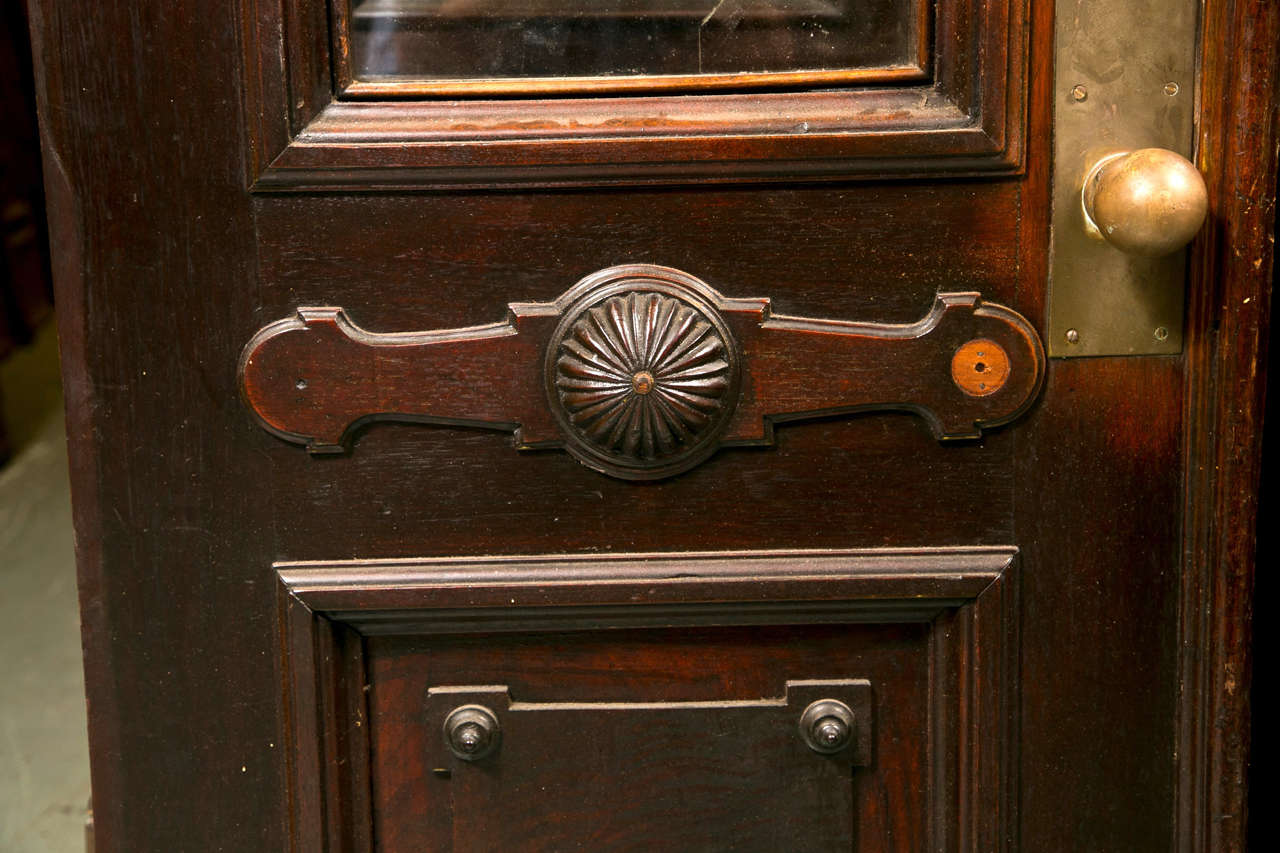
{"x":643,"y":379}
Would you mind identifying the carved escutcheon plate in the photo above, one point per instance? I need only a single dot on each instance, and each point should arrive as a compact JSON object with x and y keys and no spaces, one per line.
{"x":642,"y":375}
{"x":641,"y":372}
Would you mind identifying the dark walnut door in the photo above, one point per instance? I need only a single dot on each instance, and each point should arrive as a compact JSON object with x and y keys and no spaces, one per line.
{"x":662,"y":424}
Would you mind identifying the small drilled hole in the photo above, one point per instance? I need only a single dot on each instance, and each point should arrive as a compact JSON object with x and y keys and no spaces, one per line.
{"x":980,"y":367}
{"x":301,"y":384}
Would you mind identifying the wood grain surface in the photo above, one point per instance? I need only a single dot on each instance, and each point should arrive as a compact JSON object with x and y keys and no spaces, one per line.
{"x":205,"y":179}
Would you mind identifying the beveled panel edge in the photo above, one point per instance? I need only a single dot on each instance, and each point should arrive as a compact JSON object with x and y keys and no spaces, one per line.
{"x":975,"y":688}
{"x":594,"y":590}
{"x":435,"y":145}
{"x":961,"y":125}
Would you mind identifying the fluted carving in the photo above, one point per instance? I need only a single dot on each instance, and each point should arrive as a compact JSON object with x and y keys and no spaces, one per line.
{"x":642,"y":376}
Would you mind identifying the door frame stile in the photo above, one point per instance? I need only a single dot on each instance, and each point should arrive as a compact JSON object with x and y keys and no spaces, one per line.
{"x":1227,"y":324}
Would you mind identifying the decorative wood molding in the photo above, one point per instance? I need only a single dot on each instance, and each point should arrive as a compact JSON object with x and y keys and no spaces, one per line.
{"x":968,"y":596}
{"x":965,"y":117}
{"x":645,"y":372}
{"x":377,"y":596}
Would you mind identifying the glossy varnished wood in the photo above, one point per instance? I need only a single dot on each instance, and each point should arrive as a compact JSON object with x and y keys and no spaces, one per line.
{"x":1105,"y":544}
{"x":223,"y":707}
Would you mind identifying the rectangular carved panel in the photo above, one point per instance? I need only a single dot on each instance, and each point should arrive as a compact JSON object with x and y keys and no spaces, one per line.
{"x":638,"y":655}
{"x":668,"y":775}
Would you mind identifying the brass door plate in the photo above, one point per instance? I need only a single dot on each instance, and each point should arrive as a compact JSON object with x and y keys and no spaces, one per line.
{"x":1125,"y":76}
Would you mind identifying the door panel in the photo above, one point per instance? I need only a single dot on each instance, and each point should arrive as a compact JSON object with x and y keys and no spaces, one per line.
{"x":717,"y":774}
{"x":265,"y":627}
{"x":601,"y":675}
{"x":852,"y":267}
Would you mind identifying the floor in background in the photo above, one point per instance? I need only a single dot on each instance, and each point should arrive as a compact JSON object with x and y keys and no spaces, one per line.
{"x":44,"y":754}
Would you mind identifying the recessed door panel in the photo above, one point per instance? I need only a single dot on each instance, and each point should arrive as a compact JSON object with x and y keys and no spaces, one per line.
{"x":758,"y":701}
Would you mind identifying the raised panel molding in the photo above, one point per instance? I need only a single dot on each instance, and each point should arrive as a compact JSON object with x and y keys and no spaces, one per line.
{"x":968,"y":598}
{"x":313,"y":129}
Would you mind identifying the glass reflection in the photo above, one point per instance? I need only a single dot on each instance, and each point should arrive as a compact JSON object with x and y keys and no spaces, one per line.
{"x":501,"y":39}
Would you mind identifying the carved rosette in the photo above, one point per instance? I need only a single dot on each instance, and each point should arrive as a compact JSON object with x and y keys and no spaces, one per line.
{"x":644,"y":381}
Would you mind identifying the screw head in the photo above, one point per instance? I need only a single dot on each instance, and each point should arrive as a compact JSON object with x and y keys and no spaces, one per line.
{"x":1073,"y":337}
{"x":1079,"y":93}
{"x":471,"y":732}
{"x":1162,"y":334}
{"x":469,"y":737}
{"x":642,"y":383}
{"x":827,"y":726}
{"x":1171,"y":89}
{"x":831,"y":733}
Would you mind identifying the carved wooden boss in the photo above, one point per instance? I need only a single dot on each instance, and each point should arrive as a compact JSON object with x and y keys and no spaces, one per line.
{"x":642,"y":372}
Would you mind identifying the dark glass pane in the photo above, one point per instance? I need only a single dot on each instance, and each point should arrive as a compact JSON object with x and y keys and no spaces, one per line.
{"x":501,"y":39}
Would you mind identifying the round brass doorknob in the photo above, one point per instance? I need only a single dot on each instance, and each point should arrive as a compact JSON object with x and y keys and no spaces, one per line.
{"x":1146,"y":202}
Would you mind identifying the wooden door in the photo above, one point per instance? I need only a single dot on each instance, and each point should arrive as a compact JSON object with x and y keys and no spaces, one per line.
{"x":547,"y":426}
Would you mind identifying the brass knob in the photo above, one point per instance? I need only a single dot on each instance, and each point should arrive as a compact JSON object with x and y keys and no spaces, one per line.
{"x":827,"y":726}
{"x":472,"y":732}
{"x":1146,"y":202}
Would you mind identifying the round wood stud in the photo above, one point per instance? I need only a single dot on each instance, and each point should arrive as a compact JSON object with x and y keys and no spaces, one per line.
{"x":980,"y":367}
